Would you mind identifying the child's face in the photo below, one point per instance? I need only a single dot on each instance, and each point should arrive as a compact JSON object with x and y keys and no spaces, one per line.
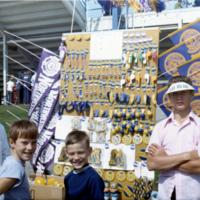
{"x":23,"y":148}
{"x":181,"y":100}
{"x":78,"y":154}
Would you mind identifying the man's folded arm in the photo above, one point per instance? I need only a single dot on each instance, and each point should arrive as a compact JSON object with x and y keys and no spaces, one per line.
{"x":192,"y":166}
{"x":166,"y":162}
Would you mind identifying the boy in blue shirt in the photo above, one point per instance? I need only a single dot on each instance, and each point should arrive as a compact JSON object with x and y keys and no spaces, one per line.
{"x":83,"y":183}
{"x":13,"y":180}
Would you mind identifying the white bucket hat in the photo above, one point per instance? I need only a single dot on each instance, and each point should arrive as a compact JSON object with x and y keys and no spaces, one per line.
{"x":179,"y":86}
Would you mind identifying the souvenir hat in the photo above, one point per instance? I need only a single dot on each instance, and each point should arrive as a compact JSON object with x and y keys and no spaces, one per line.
{"x":179,"y":86}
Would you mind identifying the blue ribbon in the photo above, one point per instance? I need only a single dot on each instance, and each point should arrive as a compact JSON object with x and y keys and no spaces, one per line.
{"x":138,"y":99}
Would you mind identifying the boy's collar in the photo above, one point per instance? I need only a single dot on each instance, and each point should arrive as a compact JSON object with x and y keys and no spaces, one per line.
{"x":17,"y":159}
{"x":77,"y":171}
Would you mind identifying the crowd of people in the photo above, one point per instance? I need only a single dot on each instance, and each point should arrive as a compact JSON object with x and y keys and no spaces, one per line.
{"x":173,"y":150}
{"x":19,"y":88}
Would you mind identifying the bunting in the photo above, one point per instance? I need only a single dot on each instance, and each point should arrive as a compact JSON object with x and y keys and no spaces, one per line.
{"x":171,"y":59}
{"x":183,"y":59}
{"x":183,"y":34}
{"x":192,"y":70}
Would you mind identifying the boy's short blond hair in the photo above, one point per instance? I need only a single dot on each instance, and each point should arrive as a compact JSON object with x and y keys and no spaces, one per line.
{"x":77,"y":136}
{"x":23,"y":129}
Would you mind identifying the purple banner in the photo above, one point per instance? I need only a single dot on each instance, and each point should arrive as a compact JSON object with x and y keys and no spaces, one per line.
{"x":47,"y":74}
{"x":39,"y":160}
{"x":43,"y":106}
{"x":48,"y":105}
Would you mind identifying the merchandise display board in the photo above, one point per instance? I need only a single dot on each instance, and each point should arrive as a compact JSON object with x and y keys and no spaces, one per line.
{"x":108,"y":89}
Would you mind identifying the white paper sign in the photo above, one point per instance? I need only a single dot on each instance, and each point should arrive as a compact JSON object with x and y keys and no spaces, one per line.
{"x":106,"y":45}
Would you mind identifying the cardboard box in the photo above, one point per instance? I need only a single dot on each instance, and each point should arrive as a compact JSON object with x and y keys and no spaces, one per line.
{"x":39,"y":192}
{"x":48,"y":192}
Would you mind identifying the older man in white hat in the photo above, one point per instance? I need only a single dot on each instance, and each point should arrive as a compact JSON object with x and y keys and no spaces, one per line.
{"x":174,"y":146}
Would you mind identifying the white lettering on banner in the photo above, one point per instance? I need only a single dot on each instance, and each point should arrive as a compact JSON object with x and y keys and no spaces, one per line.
{"x":38,"y":92}
{"x":46,"y":108}
{"x":52,"y":123}
{"x":46,"y":80}
{"x":40,"y":89}
{"x":35,"y":116}
{"x":48,"y":105}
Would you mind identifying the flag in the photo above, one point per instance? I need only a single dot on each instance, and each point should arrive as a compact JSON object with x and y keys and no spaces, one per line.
{"x":187,"y":41}
{"x":48,"y":73}
{"x":185,"y":33}
{"x":169,"y":61}
{"x":191,"y":69}
{"x":43,"y":107}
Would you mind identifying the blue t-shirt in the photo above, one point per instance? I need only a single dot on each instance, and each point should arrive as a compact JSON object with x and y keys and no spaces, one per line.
{"x":13,"y":168}
{"x":4,"y":147}
{"x":85,"y":185}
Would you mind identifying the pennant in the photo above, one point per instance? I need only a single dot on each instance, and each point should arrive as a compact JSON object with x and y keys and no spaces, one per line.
{"x":191,"y":69}
{"x":171,"y":59}
{"x":48,"y":105}
{"x":44,"y":154}
{"x":43,"y":106}
{"x":47,"y":74}
{"x":185,"y":33}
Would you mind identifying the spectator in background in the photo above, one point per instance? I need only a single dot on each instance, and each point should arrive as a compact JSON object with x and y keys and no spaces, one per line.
{"x":26,"y":87}
{"x":9,"y":89}
{"x":196,"y":3}
{"x":18,"y":87}
{"x":33,"y":77}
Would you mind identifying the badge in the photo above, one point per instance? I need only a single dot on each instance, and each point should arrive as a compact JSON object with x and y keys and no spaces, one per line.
{"x":66,"y":170}
{"x":58,"y":169}
{"x":130,"y":176}
{"x":137,"y":139}
{"x":127,"y":139}
{"x":109,"y":175}
{"x":120,"y":175}
{"x":116,"y":139}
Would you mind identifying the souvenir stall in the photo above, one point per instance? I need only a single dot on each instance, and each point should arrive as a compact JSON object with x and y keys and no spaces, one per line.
{"x":108,"y":89}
